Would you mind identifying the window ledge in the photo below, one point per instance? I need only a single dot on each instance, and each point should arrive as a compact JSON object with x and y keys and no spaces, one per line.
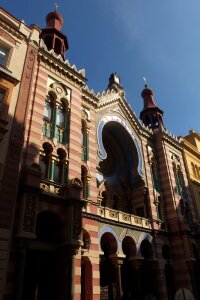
{"x":6,"y":74}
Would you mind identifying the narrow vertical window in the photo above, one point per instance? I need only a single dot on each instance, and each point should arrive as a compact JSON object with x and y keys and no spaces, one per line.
{"x":180,"y":183}
{"x":3,"y":55}
{"x":85,"y":141}
{"x":61,"y":123}
{"x":2,"y":95}
{"x":193,"y":169}
{"x":48,"y":117}
{"x":85,"y":182}
{"x":154,"y":176}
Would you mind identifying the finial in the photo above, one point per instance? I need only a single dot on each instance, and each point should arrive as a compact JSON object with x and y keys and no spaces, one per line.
{"x":56,"y":5}
{"x":145,"y":81}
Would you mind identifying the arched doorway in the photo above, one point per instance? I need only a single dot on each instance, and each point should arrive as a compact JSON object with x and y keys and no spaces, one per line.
{"x":108,"y":267}
{"x":129,"y":269}
{"x":43,"y":274}
{"x":169,"y":272}
{"x":86,"y":279}
{"x":148,"y":270}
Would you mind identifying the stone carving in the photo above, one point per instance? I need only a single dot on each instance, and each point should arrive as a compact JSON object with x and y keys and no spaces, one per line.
{"x":151,"y":155}
{"x":138,"y":220}
{"x":45,"y":187}
{"x":126,"y":217}
{"x":76,"y":182}
{"x":86,"y":115}
{"x":113,"y":214}
{"x":77,"y":222}
{"x":29,"y":213}
{"x":176,"y":160}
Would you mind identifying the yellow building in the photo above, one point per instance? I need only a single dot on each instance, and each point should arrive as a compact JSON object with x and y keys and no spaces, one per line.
{"x":191,"y":146}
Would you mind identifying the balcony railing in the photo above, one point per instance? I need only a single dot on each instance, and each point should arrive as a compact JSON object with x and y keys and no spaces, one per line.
{"x":120,"y":216}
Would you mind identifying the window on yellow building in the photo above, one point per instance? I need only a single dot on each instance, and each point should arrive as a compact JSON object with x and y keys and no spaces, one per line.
{"x":2,"y":95}
{"x":4,"y":51}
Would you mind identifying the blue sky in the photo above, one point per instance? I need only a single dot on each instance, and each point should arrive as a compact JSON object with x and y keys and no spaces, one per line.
{"x":135,"y":38}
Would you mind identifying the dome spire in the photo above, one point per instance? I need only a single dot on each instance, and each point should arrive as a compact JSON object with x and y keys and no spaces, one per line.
{"x":151,"y":115}
{"x":52,"y":35}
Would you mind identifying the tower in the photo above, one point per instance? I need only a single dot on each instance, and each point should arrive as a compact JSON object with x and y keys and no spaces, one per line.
{"x":52,"y":35}
{"x":151,"y":115}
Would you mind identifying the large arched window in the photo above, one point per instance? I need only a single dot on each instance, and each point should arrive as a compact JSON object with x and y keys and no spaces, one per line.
{"x":180,"y":183}
{"x":62,"y":123}
{"x":60,"y":168}
{"x":155,"y":176}
{"x":48,"y":117}
{"x":56,"y":114}
{"x":85,"y":141}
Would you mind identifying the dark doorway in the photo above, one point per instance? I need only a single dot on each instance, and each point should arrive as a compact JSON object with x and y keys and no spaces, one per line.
{"x":44,"y":265}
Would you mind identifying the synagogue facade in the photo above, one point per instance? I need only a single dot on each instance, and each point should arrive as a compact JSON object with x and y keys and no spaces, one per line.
{"x":94,"y":203}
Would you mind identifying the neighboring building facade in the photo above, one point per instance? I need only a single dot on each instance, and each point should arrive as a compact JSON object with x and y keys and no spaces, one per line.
{"x":191,"y":146}
{"x":15,"y":39}
{"x":102,"y":209}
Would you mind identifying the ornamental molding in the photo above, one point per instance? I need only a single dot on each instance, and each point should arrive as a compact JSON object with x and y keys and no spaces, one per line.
{"x":86,"y":115}
{"x":176,"y":161}
{"x":101,"y":150}
{"x":130,"y":115}
{"x":60,"y":92}
{"x":90,"y":96}
{"x":10,"y":30}
{"x":7,"y":36}
{"x":151,"y":155}
{"x":55,"y":64}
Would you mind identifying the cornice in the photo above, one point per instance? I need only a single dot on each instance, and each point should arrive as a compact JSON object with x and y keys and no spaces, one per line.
{"x":113,"y":222}
{"x":169,"y":138}
{"x":14,"y":31}
{"x":89,"y":96}
{"x":57,"y":62}
{"x":187,"y":146}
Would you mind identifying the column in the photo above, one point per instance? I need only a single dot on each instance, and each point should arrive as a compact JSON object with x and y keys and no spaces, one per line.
{"x":70,"y":273}
{"x":52,"y":167}
{"x":137,"y":264}
{"x":87,"y":144}
{"x":88,"y":187}
{"x":20,"y":272}
{"x":65,"y":171}
{"x":119,"y":281}
{"x":66,"y":136}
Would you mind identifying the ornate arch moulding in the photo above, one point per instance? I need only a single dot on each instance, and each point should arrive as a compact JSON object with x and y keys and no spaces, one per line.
{"x":101,"y":150}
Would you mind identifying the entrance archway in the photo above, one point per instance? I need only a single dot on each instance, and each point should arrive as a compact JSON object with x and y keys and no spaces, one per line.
{"x":108,"y":267}
{"x":148,"y":270}
{"x":129,"y":272}
{"x":86,"y":279}
{"x":43,"y":274}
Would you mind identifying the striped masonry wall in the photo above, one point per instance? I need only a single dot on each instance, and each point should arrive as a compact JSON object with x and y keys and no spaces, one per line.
{"x":171,"y":199}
